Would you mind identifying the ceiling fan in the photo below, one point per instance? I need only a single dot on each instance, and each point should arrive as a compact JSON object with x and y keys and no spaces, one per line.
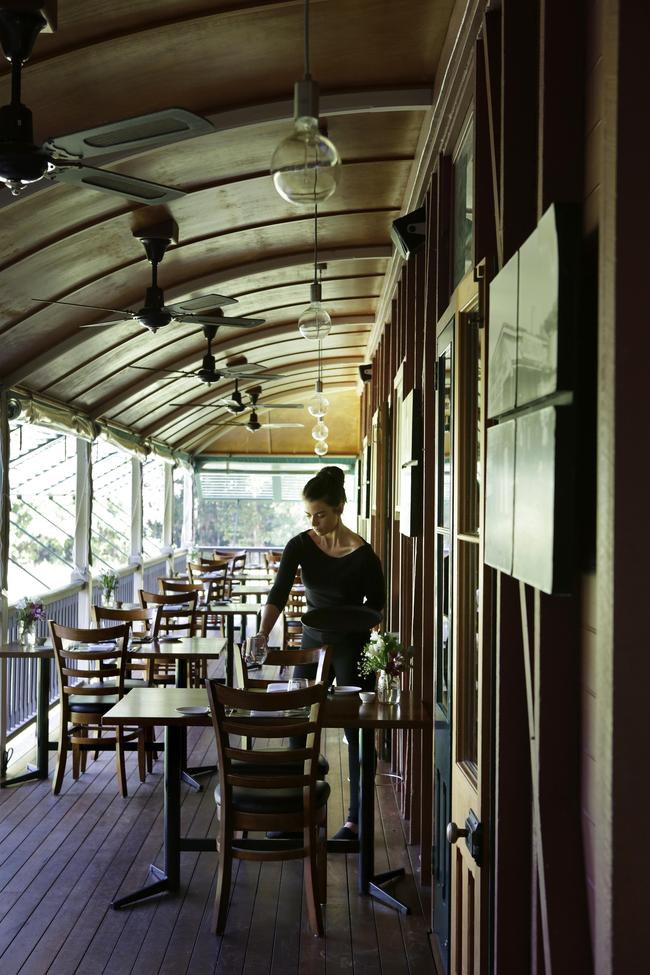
{"x":253,"y":424}
{"x":58,"y":159}
{"x":154,"y":314}
{"x":235,"y":403}
{"x":209,"y":374}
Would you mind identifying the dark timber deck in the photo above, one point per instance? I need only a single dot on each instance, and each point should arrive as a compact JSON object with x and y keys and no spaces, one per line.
{"x":63,"y":858}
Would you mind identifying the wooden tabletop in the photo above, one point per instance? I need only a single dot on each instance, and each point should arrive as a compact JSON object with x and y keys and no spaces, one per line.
{"x":190,"y":647}
{"x":16,"y":650}
{"x":158,"y":706}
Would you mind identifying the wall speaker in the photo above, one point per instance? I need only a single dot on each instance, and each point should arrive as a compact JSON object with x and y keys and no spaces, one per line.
{"x":14,"y":409}
{"x":365,"y":372}
{"x":408,"y":233}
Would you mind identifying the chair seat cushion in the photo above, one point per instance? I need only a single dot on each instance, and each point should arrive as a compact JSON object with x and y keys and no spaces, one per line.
{"x":323,"y":768}
{"x":272,"y":800}
{"x":97,"y":703}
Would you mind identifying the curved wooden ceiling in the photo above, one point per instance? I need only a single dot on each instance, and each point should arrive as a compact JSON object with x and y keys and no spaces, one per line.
{"x":234,"y":63}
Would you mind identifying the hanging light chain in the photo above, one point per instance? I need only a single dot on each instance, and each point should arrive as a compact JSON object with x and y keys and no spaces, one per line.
{"x":307,"y":65}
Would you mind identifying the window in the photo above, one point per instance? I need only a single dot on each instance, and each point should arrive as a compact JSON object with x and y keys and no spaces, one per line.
{"x":42,"y":486}
{"x":178,"y":504}
{"x":252,"y":502}
{"x":153,"y":506}
{"x":111,"y":510}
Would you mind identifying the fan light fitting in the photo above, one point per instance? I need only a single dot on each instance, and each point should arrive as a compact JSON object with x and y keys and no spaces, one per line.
{"x":315,"y":323}
{"x":306,"y":166}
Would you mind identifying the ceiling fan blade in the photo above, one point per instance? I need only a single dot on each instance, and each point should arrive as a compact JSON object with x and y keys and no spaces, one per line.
{"x":203,"y":406}
{"x":280,"y":406}
{"x":220,"y":320}
{"x":281,"y":426}
{"x":77,"y":304}
{"x":194,"y":305}
{"x":117,"y":321}
{"x":140,"y":190}
{"x":250,"y":371}
{"x":171,"y":372}
{"x":156,"y":128}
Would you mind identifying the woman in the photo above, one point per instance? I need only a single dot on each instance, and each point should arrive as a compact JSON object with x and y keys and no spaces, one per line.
{"x":338,"y":569}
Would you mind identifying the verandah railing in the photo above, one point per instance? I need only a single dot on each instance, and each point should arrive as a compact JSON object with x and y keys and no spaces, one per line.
{"x":63,"y":606}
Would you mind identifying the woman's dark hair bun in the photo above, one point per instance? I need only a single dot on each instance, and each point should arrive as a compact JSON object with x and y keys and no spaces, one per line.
{"x":334,"y":472}
{"x":328,"y":485}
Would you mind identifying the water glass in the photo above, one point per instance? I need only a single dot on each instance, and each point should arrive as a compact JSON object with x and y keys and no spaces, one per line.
{"x":298,"y":683}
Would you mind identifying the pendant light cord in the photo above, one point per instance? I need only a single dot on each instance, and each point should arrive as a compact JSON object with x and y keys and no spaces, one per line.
{"x":307,"y":65}
{"x":315,"y":243}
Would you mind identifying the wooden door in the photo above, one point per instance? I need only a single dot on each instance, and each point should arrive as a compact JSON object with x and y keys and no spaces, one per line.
{"x":470,"y":738}
{"x":463,"y":686}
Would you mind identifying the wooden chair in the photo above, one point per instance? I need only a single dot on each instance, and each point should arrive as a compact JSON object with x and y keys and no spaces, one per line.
{"x":281,"y":659}
{"x":175,"y":586}
{"x":213,"y":585}
{"x":138,"y":673}
{"x":321,"y":656}
{"x":270,"y":789}
{"x":292,"y":620}
{"x":178,"y":617}
{"x":91,"y":680}
{"x":150,"y":620}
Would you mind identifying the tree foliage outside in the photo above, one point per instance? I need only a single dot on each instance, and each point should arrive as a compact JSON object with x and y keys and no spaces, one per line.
{"x":33,"y":545}
{"x":247,"y":523}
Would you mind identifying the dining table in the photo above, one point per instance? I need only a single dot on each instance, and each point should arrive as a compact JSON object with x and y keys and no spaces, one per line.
{"x":177,"y":709}
{"x":182,"y":650}
{"x":229,"y":609}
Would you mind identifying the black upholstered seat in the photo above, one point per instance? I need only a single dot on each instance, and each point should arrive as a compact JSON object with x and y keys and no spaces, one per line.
{"x":272,"y":800}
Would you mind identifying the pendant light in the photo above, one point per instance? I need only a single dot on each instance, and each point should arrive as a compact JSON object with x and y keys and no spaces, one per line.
{"x":315,"y":323}
{"x":306,"y":166}
{"x":319,"y":431}
{"x":318,"y":403}
{"x":317,"y":406}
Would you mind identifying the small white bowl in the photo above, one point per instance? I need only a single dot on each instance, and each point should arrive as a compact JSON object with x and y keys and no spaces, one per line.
{"x":367,"y":696}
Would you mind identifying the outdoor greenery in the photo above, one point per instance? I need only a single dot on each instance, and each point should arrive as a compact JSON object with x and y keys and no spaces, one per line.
{"x":32,"y":546}
{"x":245,"y":522}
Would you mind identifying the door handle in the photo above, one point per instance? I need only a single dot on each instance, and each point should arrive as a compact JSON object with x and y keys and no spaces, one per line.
{"x":454,"y":833}
{"x":472,"y":832}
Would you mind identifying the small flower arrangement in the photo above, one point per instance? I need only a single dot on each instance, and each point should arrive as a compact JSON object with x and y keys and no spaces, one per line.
{"x":28,"y":612}
{"x":108,"y":581}
{"x":384,"y":652}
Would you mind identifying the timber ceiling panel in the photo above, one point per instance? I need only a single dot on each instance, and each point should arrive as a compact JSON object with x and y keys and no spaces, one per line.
{"x":235,"y":63}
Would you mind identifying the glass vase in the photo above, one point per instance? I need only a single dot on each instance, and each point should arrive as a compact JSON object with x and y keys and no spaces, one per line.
{"x":108,"y":598}
{"x":389,"y":688}
{"x":27,"y":636}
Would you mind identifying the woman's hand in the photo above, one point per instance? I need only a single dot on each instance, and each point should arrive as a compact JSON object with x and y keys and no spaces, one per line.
{"x":262,"y":640}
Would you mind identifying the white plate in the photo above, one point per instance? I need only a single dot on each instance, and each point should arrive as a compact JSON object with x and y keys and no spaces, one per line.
{"x":346,"y":689}
{"x":193,"y":709}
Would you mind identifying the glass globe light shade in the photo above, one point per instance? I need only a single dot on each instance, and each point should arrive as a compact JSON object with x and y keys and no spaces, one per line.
{"x":306,"y":166}
{"x":319,"y":431}
{"x":315,"y":323}
{"x":321,"y":448}
{"x":317,"y":405}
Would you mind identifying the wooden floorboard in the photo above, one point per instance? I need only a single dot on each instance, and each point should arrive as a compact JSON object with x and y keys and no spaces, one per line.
{"x":64,"y":858}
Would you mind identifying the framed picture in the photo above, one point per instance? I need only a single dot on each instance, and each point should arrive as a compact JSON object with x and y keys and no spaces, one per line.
{"x":500,"y":495}
{"x":410,"y":465}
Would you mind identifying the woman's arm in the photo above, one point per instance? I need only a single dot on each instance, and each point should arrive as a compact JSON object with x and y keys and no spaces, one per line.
{"x":280,"y":590}
{"x":375,"y":583}
{"x":268,"y":619}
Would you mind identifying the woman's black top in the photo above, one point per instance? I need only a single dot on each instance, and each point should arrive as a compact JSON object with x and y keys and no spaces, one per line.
{"x":355,"y":579}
